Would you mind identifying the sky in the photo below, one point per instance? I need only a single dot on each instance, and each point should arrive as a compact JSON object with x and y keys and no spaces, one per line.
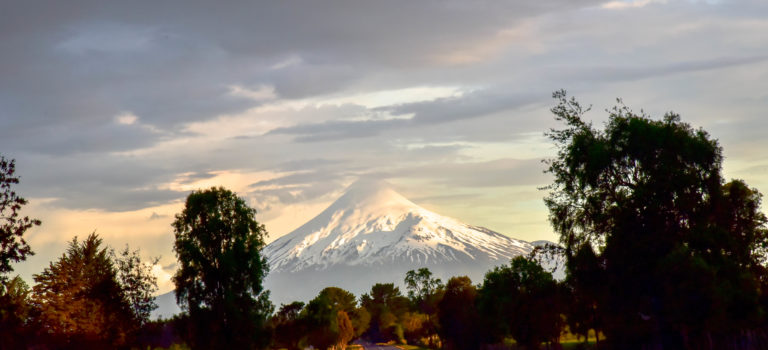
{"x":115,"y":111}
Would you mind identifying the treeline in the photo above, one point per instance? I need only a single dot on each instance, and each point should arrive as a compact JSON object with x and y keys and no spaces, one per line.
{"x":520,"y":301}
{"x":660,"y":253}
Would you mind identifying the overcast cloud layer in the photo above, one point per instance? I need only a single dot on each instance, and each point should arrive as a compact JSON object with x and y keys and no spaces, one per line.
{"x":114,"y":111}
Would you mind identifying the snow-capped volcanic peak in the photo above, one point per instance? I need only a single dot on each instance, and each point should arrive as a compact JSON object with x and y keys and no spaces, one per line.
{"x":371,"y":224}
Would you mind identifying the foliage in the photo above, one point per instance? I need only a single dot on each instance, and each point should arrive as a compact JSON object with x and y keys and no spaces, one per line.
{"x":460,"y":322}
{"x":15,"y":325}
{"x":584,"y":289}
{"x":386,"y":305}
{"x":346,"y":331}
{"x":138,"y":283}
{"x":221,"y":270}
{"x":289,"y":328}
{"x":79,"y":299}
{"x":332,"y":319}
{"x":678,"y":250}
{"x":521,"y":300}
{"x":13,"y":247}
{"x":422,"y":288}
{"x":339,"y":299}
{"x":425,"y":293}
{"x":361,"y":320}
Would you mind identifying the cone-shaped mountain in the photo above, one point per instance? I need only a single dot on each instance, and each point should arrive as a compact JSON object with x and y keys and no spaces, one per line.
{"x":373,"y":234}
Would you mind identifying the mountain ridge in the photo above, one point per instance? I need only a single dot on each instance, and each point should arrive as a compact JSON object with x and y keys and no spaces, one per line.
{"x":372,"y":224}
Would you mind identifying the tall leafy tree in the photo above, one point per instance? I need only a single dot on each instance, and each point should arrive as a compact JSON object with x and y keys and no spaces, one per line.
{"x":138,"y":283}
{"x":13,"y":247}
{"x":288,"y":326}
{"x":585,"y":288}
{"x":425,"y":292}
{"x":523,"y":301}
{"x":79,"y":298}
{"x":328,"y":325}
{"x":221,"y":270}
{"x":460,"y":323}
{"x":386,"y":305}
{"x":422,"y":289}
{"x":679,"y":249}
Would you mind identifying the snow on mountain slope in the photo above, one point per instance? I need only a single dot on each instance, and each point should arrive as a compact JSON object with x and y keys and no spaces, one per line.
{"x":371,"y":224}
{"x":372,"y":234}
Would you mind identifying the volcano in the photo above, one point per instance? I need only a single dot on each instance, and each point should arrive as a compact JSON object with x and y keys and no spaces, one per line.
{"x":372,"y":234}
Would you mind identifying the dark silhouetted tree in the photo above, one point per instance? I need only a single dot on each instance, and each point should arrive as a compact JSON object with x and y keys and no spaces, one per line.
{"x":288,"y":326}
{"x":679,"y":250}
{"x":15,"y":325}
{"x":585,"y":289}
{"x":13,"y":247}
{"x":221,"y":270}
{"x":460,"y":323}
{"x":522,"y":300}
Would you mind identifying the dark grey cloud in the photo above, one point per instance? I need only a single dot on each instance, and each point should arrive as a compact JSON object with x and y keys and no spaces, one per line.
{"x":102,"y":182}
{"x":615,"y":73}
{"x":77,"y":65}
{"x":431,"y":113}
{"x":69,"y":68}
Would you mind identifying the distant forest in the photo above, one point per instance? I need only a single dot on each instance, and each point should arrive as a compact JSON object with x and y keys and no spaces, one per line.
{"x":660,"y":252}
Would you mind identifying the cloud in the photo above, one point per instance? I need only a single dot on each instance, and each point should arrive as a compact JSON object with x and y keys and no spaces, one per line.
{"x":616,"y":5}
{"x":156,"y":216}
{"x":443,"y":110}
{"x":124,"y":107}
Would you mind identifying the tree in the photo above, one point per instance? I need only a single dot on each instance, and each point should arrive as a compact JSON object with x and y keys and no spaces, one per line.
{"x":340,"y":299}
{"x":221,"y":270}
{"x":328,"y":324}
{"x":460,"y":323}
{"x":585,"y":288}
{"x":386,"y":306}
{"x":420,"y":284}
{"x":425,"y":293}
{"x":79,"y":299}
{"x":138,"y":283}
{"x":15,"y":325}
{"x":13,"y":247}
{"x":521,"y":300}
{"x":346,"y":330}
{"x":332,"y":317}
{"x":288,"y":326}
{"x":679,"y":250}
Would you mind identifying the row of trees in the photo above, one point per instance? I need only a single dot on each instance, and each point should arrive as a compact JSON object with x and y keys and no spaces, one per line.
{"x":92,"y":296}
{"x":660,"y":252}
{"x":520,"y":301}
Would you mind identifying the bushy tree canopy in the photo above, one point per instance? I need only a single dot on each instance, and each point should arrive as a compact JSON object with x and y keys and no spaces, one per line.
{"x":79,"y":297}
{"x":521,"y":300}
{"x":221,"y":270}
{"x":677,"y":248}
{"x":460,"y":323}
{"x":386,"y":305}
{"x":15,"y":310}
